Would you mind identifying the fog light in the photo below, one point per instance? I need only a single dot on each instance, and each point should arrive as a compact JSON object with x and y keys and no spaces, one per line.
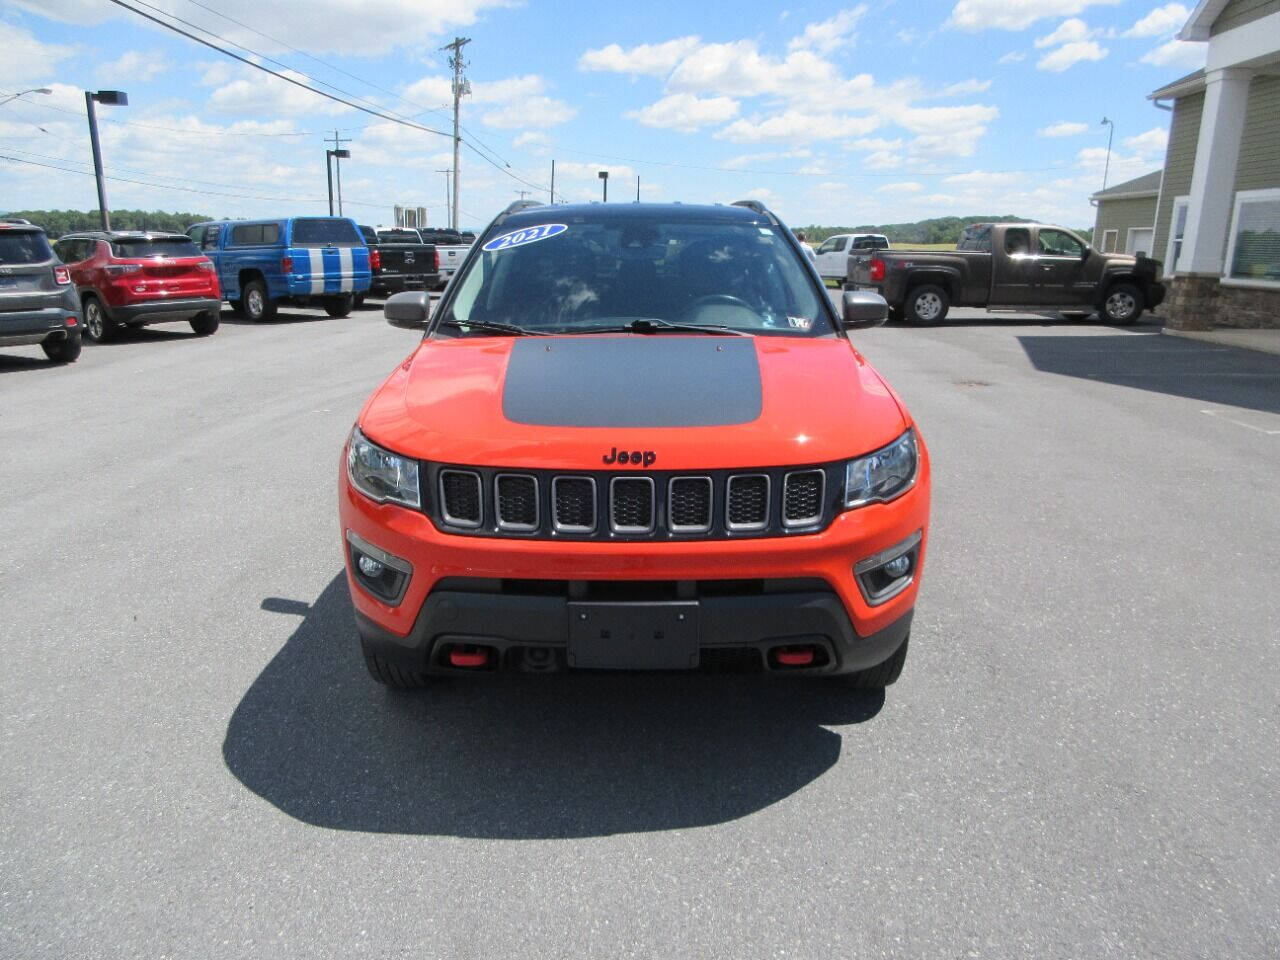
{"x":897,"y":568}
{"x":380,"y":573}
{"x":370,"y":567}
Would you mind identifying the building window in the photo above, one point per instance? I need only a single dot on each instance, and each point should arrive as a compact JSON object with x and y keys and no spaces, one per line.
{"x":1177,"y":229}
{"x":1109,"y":240}
{"x":1253,"y":246}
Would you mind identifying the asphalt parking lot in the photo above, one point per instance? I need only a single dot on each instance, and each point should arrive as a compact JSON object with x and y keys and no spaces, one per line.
{"x":1080,"y":759}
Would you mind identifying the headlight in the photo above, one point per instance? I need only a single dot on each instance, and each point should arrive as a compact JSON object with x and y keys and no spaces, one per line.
{"x":380,"y":474}
{"x":884,"y":474}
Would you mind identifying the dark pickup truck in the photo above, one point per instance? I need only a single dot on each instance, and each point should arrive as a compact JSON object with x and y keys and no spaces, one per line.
{"x":1010,"y":266}
{"x":400,"y":261}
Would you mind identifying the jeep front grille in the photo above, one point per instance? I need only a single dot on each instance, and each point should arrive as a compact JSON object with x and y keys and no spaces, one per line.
{"x":748,"y":502}
{"x":461,"y":501}
{"x":634,"y":505}
{"x":516,"y":496}
{"x":802,"y":497}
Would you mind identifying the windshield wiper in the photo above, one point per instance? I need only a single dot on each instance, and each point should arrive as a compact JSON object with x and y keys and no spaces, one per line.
{"x":657,"y":325}
{"x":494,"y":326}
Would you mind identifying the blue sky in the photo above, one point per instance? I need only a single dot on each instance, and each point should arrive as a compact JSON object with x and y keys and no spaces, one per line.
{"x":833,"y":113}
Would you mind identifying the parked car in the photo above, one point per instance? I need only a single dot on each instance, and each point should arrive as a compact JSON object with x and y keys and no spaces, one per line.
{"x":38,"y":302}
{"x":451,"y":249}
{"x":1010,"y":266}
{"x":399,"y":260}
{"x":297,"y":260}
{"x":833,"y":253}
{"x":606,"y":453}
{"x":131,"y":279}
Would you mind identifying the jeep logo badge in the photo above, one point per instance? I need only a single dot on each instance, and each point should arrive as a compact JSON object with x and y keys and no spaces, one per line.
{"x":638,"y":457}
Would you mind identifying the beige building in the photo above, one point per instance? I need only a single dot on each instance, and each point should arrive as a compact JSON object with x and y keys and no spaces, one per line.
{"x":1127,"y":215}
{"x":1217,"y":223}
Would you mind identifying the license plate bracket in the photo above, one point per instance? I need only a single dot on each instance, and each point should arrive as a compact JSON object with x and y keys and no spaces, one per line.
{"x":634,"y":636}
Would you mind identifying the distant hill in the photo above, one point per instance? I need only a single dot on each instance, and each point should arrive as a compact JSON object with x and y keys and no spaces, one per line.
{"x":58,"y":222}
{"x":937,"y":230}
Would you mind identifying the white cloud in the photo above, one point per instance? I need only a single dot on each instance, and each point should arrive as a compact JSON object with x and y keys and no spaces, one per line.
{"x":1063,"y":129}
{"x":906,"y":186}
{"x":1013,"y":56}
{"x":798,"y":125}
{"x":964,"y":87}
{"x":751,"y":159}
{"x":1068,"y":55}
{"x":1014,"y":14}
{"x":831,"y":34}
{"x":531,"y":139}
{"x":26,"y":60}
{"x":1066,"y":32}
{"x":1151,"y":143}
{"x":316,"y":26}
{"x":943,"y":121}
{"x":685,"y":112}
{"x":1160,"y":22}
{"x":738,"y":69}
{"x":257,"y":94}
{"x":134,"y":66}
{"x":1119,"y":168}
{"x":984,"y":178}
{"x":654,"y":59}
{"x":530,"y":112}
{"x":1185,"y":54}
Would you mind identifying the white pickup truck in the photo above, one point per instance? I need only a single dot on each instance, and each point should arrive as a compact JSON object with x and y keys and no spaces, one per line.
{"x":452,"y":248}
{"x":833,"y":255}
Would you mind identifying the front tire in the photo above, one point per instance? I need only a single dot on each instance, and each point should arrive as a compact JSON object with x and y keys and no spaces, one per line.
{"x":1123,"y":305}
{"x":257,"y":305}
{"x":204,"y":324}
{"x":339,"y":306}
{"x":392,"y":675}
{"x":97,"y":325}
{"x":882,"y":674}
{"x":63,"y":350}
{"x":927,"y":304}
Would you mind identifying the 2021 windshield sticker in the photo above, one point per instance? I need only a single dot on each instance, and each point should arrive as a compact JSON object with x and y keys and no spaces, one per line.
{"x":519,"y":238}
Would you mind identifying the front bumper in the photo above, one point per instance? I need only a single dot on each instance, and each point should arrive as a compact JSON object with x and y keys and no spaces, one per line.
{"x":164,"y":311}
{"x":516,"y":591}
{"x":19,"y":327}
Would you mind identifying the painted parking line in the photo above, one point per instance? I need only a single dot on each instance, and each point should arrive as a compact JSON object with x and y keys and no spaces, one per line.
{"x":1222,"y":415}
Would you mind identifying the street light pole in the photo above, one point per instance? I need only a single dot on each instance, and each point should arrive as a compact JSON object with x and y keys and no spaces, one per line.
{"x":15,"y":96}
{"x":604,"y":177}
{"x":115,"y":98}
{"x":1111,"y":132}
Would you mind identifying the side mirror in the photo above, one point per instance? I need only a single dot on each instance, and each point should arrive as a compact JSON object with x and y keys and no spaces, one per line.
{"x":863,"y":308}
{"x":1085,"y":251}
{"x":411,"y":309}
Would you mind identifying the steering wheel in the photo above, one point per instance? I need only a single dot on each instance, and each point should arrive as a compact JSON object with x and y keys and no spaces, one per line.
{"x":722,"y":299}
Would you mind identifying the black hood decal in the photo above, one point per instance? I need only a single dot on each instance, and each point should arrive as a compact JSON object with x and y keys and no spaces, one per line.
{"x":635,"y":381}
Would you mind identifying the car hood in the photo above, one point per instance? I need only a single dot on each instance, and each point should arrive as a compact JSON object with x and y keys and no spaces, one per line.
{"x":695,"y":402}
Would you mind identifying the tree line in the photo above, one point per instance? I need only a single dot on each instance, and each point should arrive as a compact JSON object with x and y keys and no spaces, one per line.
{"x":935,"y":230}
{"x":58,"y":222}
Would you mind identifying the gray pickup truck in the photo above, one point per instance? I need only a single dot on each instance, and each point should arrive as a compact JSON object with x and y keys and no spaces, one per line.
{"x":1010,"y":266}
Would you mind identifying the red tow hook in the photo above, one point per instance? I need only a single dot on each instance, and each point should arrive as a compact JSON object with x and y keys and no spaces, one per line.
{"x":468,"y":658}
{"x":794,"y":656}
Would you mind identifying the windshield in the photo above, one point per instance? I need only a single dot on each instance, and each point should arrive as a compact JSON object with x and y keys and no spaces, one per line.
{"x":163,"y":247}
{"x":24,"y":246}
{"x":591,"y":276}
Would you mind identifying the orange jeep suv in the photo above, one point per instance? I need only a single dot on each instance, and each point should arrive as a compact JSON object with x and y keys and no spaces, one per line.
{"x":635,"y":437}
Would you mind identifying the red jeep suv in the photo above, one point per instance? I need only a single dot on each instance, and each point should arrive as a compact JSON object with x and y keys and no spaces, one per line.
{"x":133,"y":279}
{"x":635,"y":437}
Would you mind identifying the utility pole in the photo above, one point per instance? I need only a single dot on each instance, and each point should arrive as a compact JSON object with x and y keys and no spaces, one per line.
{"x":461,"y":88}
{"x":338,"y":154}
{"x":447,"y":215}
{"x":637,"y":188}
{"x":523,"y":194}
{"x":553,"y":181}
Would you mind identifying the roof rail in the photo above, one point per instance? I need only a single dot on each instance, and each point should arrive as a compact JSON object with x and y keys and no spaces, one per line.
{"x":758,"y":207}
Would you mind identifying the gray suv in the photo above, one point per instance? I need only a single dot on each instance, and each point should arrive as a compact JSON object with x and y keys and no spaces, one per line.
{"x":38,"y":302}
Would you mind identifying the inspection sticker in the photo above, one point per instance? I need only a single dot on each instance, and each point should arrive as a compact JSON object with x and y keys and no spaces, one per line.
{"x":519,"y":238}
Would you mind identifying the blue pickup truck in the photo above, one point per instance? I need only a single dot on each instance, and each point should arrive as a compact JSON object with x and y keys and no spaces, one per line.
{"x":296,"y":260}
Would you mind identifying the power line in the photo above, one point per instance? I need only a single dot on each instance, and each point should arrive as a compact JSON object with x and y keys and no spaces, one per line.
{"x":280,"y":76}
